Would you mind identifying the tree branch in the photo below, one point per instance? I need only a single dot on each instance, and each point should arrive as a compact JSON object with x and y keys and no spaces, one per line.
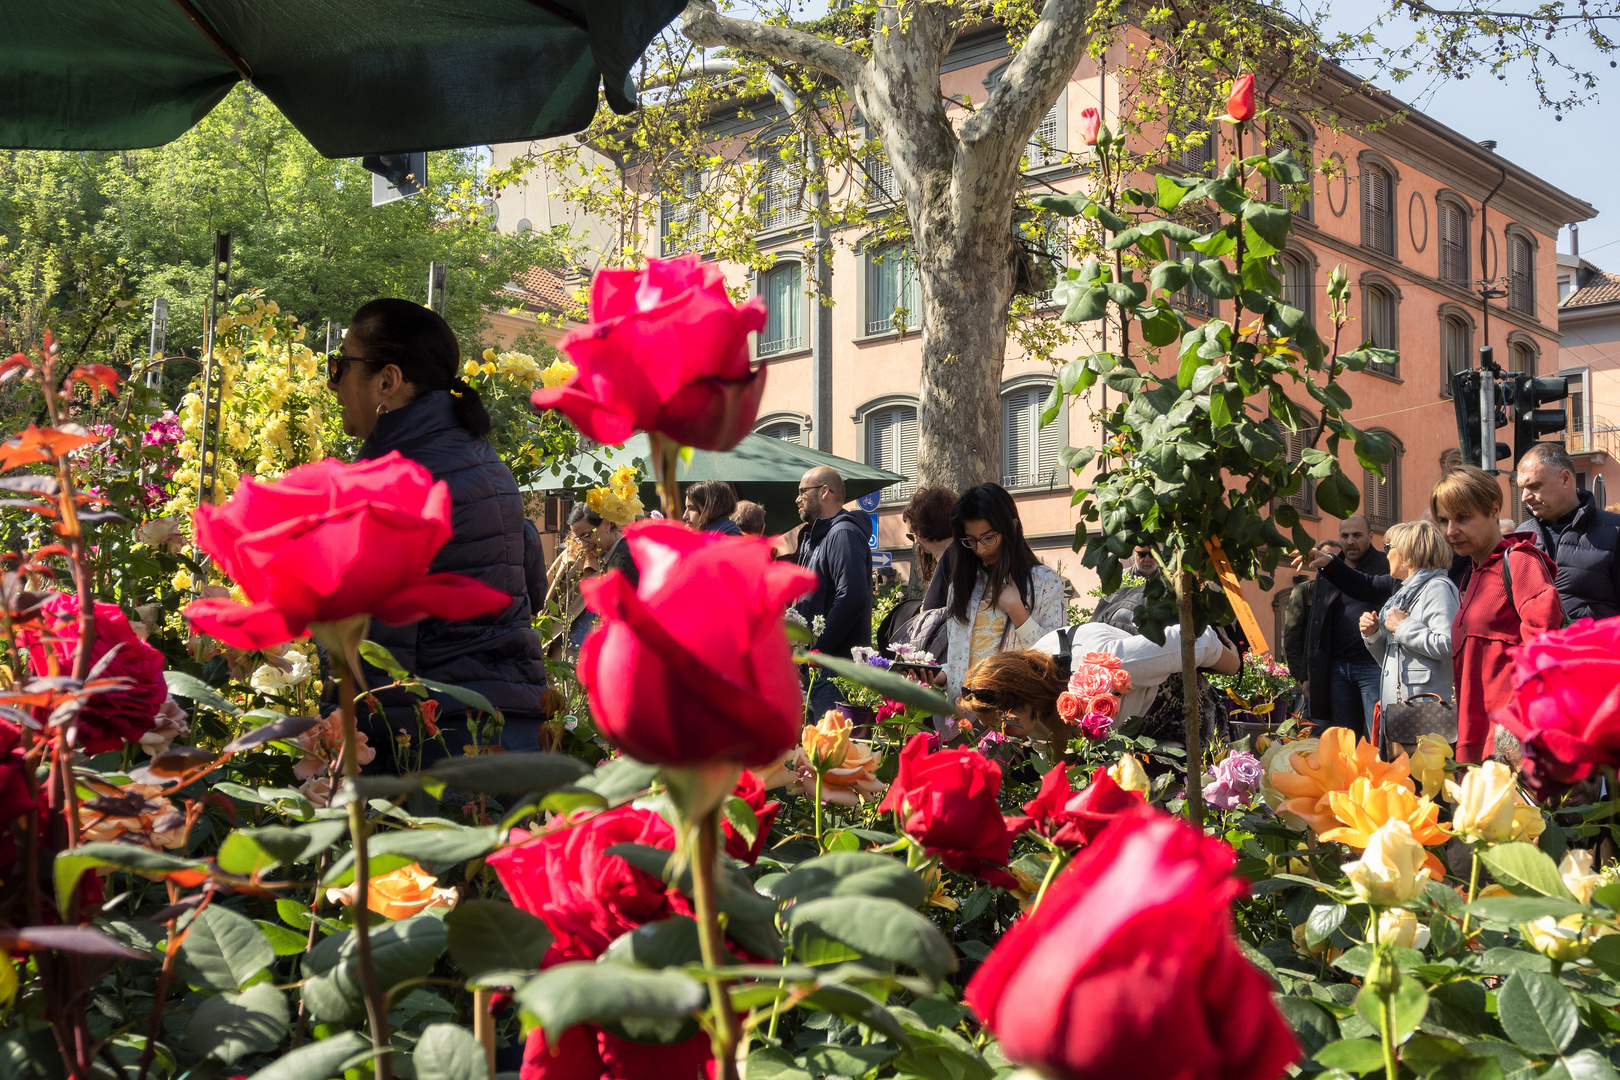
{"x":703,"y":25}
{"x":1034,"y":79}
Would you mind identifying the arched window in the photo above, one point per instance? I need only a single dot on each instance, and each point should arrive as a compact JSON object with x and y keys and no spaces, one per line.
{"x":1381,"y":495}
{"x":782,"y":286}
{"x":781,"y":180}
{"x":1378,"y":209}
{"x":1294,"y":444}
{"x":891,"y":443}
{"x":680,"y":216}
{"x":1296,"y":137}
{"x":1028,"y":450}
{"x":892,"y":290}
{"x":1456,"y":345}
{"x":1453,"y":243}
{"x":1521,"y":274}
{"x":1381,"y":323}
{"x":1299,"y":288}
{"x":1521,"y":357}
{"x":788,"y":429}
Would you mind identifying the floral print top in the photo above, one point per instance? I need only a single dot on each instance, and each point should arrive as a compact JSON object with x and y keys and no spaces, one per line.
{"x":969,"y":643}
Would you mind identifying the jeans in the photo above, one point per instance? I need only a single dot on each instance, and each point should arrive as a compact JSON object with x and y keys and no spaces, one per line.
{"x":1354,"y":687}
{"x":824,"y":694}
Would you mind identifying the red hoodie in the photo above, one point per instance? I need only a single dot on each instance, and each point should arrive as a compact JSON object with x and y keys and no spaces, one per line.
{"x":1488,"y":626}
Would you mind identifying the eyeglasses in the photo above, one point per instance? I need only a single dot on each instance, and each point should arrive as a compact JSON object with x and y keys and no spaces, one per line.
{"x":812,"y":487}
{"x":337,"y":365}
{"x":912,"y":538}
{"x":995,"y":699}
{"x":976,"y":542}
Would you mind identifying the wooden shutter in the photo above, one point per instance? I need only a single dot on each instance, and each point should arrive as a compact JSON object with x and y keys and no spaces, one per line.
{"x":1016,"y":428}
{"x":1048,"y":443}
{"x":1453,"y":245}
{"x":786,"y":430}
{"x":891,"y":443}
{"x":1294,"y":443}
{"x":1521,"y":276}
{"x":1043,"y":145}
{"x":1377,"y":219}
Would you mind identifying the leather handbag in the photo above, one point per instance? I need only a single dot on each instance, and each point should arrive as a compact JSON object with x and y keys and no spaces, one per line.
{"x":1417,"y":715}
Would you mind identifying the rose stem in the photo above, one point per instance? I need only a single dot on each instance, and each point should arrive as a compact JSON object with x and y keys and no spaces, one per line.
{"x":1060,"y":859}
{"x":1473,"y":888}
{"x":376,"y":1007}
{"x":818,"y":810}
{"x":703,"y":896}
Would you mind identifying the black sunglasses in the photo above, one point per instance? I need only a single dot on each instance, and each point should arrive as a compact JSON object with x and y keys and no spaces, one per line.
{"x":337,"y":365}
{"x":995,"y":699}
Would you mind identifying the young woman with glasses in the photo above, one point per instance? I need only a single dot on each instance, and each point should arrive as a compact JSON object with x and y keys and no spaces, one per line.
{"x":396,"y":379}
{"x":1000,"y":595}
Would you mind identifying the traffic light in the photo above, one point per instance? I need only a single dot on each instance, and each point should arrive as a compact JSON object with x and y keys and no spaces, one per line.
{"x":1529,"y":422}
{"x":1480,"y":411}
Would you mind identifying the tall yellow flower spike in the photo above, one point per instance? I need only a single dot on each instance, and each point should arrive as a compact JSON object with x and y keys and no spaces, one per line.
{"x":1336,"y":763}
{"x":1365,"y":807}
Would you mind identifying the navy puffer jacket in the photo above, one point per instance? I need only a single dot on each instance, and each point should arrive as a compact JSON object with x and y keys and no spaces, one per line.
{"x":499,"y":656}
{"x":1587,"y":551}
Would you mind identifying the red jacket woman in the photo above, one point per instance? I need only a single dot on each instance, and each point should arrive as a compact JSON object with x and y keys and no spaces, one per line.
{"x":1508,"y":598}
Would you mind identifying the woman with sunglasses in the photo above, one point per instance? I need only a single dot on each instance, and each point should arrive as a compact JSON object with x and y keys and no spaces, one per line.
{"x":1000,"y":596}
{"x":396,"y":379}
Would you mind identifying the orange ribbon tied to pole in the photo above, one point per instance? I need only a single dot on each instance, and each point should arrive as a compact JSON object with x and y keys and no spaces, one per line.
{"x":1234,"y":596}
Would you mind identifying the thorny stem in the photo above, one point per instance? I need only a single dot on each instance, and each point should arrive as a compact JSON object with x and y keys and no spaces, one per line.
{"x":1186,"y":588}
{"x":161,"y":993}
{"x":376,"y":1004}
{"x":726,"y":1032}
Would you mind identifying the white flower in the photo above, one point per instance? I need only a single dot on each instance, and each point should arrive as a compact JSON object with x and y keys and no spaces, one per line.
{"x":168,"y":725}
{"x":1390,"y":871}
{"x":1576,"y":870}
{"x":281,"y":673}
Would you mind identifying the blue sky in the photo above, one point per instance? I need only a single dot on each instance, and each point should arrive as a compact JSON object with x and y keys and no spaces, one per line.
{"x":1580,"y":153}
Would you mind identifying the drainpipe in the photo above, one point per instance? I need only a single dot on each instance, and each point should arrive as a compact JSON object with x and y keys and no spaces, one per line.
{"x":821,"y":251}
{"x":1485,"y":289}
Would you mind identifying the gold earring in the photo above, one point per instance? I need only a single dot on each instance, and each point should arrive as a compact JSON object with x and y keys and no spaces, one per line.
{"x":382,"y":410}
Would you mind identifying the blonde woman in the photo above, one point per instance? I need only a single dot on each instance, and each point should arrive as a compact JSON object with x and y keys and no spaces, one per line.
{"x":1410,"y":635}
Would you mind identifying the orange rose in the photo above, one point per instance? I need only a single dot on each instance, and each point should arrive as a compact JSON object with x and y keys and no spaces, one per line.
{"x":1101,"y":659}
{"x":408,"y":891}
{"x":1106,"y":704}
{"x":1070,"y":706}
{"x":1122,"y":681}
{"x":853,"y":782}
{"x":1365,"y":807}
{"x":827,"y":742}
{"x":1336,"y":763}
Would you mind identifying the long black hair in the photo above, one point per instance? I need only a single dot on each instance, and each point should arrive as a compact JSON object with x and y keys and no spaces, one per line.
{"x":991,"y":504}
{"x":421,"y":344}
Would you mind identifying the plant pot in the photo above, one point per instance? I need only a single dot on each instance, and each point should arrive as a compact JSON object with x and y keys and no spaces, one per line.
{"x":859,"y":715}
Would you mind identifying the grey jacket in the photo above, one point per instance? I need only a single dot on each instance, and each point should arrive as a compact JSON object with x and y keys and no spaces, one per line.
{"x":1416,"y":658}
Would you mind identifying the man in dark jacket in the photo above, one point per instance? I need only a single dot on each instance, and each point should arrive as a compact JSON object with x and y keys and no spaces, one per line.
{"x":1569,"y":526}
{"x":834,"y":545}
{"x":1345,"y":681}
{"x":1296,"y":621}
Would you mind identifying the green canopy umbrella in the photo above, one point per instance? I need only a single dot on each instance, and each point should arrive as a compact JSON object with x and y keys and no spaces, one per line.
{"x":764,"y":469}
{"x":355,"y":76}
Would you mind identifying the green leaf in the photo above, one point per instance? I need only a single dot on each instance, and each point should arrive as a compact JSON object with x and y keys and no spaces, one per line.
{"x":1050,"y":408}
{"x":1523,"y":868}
{"x":1161,"y":325}
{"x":1287,"y":168}
{"x":1323,"y":920}
{"x":379,"y":657}
{"x":189,"y":686}
{"x":1067,"y":205}
{"x":664,"y":943}
{"x":1086,"y":305}
{"x":579,"y":993}
{"x":72,"y":864}
{"x":449,"y":1052}
{"x":470,"y":698}
{"x":1212,"y":276}
{"x":437,"y":849}
{"x":1352,"y":1055}
{"x":1271,"y":222}
{"x":620,"y":780}
{"x":507,"y":774}
{"x":1170,"y":277}
{"x":1172,"y":189}
{"x":851,"y":873}
{"x":1584,"y":1065}
{"x":770,"y":1063}
{"x":1522,"y":909}
{"x":1425,"y":1053}
{"x":402,"y":950}
{"x":492,"y":935}
{"x":1260,"y":440}
{"x":1126,"y":294}
{"x":323,"y":1059}
{"x":893,"y":686}
{"x":285,"y":942}
{"x":879,"y":927}
{"x":1537,"y":1012}
{"x":229,"y":1027}
{"x":1221,"y":242}
{"x":850,"y":1002}
{"x":838,"y":1060}
{"x":223,"y":950}
{"x":1336,"y":495}
{"x":1312,"y":1025}
{"x":1411,"y":1003}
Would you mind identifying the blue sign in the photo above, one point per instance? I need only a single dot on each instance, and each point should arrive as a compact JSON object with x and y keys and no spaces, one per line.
{"x":870,"y":502}
{"x":871,"y":539}
{"x":882,"y":558}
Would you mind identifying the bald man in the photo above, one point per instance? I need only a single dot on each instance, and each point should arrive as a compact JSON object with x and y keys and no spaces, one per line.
{"x":1345,"y":681}
{"x":834,"y":545}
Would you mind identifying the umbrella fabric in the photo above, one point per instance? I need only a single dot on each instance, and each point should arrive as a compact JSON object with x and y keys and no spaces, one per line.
{"x":763,"y":469}
{"x":354,"y":76}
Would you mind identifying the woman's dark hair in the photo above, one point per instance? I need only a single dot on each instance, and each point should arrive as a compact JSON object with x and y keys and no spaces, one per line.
{"x":580,"y":512}
{"x":929,"y":515}
{"x":990,"y":503}
{"x":421,"y":344}
{"x":713,"y":499}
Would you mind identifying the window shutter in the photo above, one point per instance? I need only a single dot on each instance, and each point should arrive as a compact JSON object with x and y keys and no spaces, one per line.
{"x":891,"y":443}
{"x":784,"y":303}
{"x":1043,"y":145}
{"x":1015,"y":439}
{"x":1375,"y":494}
{"x":785,"y":430}
{"x":1295,"y":443}
{"x":907,"y":463}
{"x":1049,"y":441}
{"x":1377,"y":218}
{"x":1453,"y":245}
{"x":1521,"y":276}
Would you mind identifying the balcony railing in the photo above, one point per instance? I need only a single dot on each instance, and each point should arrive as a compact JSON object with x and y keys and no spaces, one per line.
{"x":781,"y":345}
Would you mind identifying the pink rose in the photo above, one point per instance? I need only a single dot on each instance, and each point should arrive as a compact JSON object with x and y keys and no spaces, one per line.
{"x":1090,"y":126}
{"x":1089,"y":680}
{"x":1100,"y":659}
{"x":1566,"y":703}
{"x":1096,"y":725}
{"x":665,"y":350}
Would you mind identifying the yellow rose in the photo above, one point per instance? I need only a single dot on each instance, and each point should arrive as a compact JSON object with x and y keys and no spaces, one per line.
{"x":490,"y":354}
{"x":1485,"y":801}
{"x":1429,"y":764}
{"x":1528,"y":822}
{"x":826,"y":743}
{"x":1576,"y":870}
{"x":854,"y":781}
{"x":1391,"y":870}
{"x":1338,"y":760}
{"x":1401,"y":927}
{"x":556,"y":373}
{"x":1128,"y":773}
{"x":623,"y":481}
{"x":181,"y":581}
{"x":1558,"y":939}
{"x":1364,"y":808}
{"x":613,"y":507}
{"x":408,"y":891}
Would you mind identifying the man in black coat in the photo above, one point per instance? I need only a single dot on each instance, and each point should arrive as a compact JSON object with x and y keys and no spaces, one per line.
{"x":1569,"y":526}
{"x":1345,"y":681}
{"x":834,"y":545}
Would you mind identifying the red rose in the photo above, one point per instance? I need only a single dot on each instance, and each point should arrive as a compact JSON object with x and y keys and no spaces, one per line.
{"x":586,"y":896}
{"x":1129,"y":967}
{"x":1070,"y":706}
{"x":1090,"y":126}
{"x":328,"y":542}
{"x":587,"y":1052}
{"x":1240,"y":105}
{"x":693,"y":665}
{"x":666,"y":350}
{"x":1565,"y":706}
{"x":1073,"y":819}
{"x":107,"y":721}
{"x":751,"y":791}
{"x":947,"y":803}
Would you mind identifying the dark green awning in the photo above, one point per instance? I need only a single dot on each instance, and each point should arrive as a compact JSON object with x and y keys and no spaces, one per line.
{"x":355,"y":76}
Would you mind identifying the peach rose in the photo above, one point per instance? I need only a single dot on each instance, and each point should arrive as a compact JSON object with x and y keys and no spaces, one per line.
{"x":1122,"y":681}
{"x":1088,"y":681}
{"x":1106,"y":704}
{"x":1100,"y":659}
{"x":1071,"y":706}
{"x":138,"y":814}
{"x":401,"y":893}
